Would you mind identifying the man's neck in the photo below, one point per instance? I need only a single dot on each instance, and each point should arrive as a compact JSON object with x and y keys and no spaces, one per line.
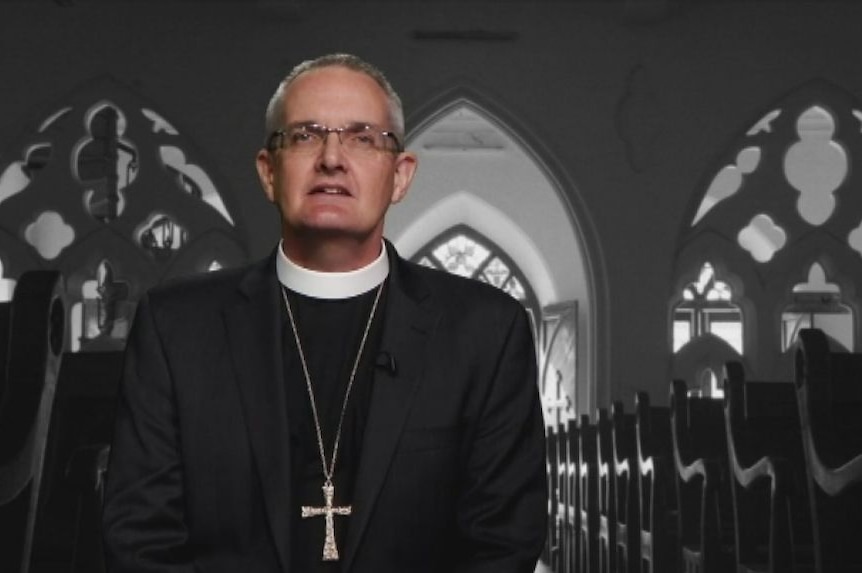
{"x":332,"y":256}
{"x":331,"y":284}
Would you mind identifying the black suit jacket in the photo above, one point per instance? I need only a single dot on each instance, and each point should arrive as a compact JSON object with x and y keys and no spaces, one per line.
{"x":452,"y":473}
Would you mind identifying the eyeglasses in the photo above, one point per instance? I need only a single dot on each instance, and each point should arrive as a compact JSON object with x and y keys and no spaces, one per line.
{"x":355,"y":137}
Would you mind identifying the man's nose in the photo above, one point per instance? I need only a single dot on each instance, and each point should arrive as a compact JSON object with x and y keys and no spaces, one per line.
{"x":331,"y":153}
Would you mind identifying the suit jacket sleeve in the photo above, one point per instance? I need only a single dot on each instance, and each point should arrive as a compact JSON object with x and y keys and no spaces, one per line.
{"x":143,"y":519}
{"x":503,"y":508}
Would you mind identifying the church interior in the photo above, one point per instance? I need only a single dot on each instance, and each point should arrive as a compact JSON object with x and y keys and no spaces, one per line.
{"x":668,"y":186}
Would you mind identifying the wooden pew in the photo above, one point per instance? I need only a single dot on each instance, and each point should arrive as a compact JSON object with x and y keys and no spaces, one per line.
{"x":625,"y":489}
{"x":548,"y":554}
{"x":33,"y":342}
{"x":86,"y":476}
{"x":587,"y":498}
{"x":5,"y":323}
{"x":656,"y":498}
{"x":69,"y":532}
{"x":829,"y":393}
{"x":606,"y":506}
{"x":561,"y":496}
{"x":572,"y":525}
{"x":702,"y":482}
{"x":771,"y":517}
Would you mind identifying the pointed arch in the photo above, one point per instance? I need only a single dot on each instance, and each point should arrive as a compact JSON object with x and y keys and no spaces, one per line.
{"x":768,"y":210}
{"x":464,"y":208}
{"x":154,"y":206}
{"x":527,"y":205}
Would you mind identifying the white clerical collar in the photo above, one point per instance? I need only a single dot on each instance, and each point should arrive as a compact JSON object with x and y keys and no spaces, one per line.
{"x":334,"y":285}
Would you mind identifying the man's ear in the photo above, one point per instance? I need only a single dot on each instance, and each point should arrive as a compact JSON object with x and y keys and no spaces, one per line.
{"x":265,"y":172}
{"x":405,"y":168}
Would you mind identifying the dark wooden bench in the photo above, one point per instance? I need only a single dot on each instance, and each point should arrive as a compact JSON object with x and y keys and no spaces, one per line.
{"x":657,"y":505}
{"x":772,"y":521}
{"x":829,"y":395}
{"x":625,"y":489}
{"x":587,"y":498}
{"x":549,"y":551}
{"x":33,"y":326}
{"x":572,"y":524}
{"x":606,"y":500}
{"x":702,"y":480}
{"x":69,"y":531}
{"x":561,"y":497}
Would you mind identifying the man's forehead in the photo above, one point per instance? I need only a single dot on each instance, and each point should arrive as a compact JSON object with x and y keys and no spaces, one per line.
{"x":320,"y":93}
{"x":334,"y":78}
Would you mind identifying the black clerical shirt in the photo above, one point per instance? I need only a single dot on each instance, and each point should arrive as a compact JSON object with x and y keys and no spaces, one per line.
{"x":330,"y":331}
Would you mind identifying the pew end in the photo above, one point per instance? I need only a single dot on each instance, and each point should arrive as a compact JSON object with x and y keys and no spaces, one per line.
{"x":829,"y":393}
{"x":588,"y":518}
{"x":33,"y":338}
{"x":771,"y":512}
{"x":702,"y":480}
{"x":624,"y":453}
{"x":657,"y":505}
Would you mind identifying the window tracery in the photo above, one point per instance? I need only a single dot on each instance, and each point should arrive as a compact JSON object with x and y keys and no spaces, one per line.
{"x":112,"y":194}
{"x":817,"y":303}
{"x":770,"y":216}
{"x":707,"y":307}
{"x":463,"y":251}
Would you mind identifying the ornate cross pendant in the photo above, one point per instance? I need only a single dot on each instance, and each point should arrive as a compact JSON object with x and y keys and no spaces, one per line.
{"x":330,"y":549}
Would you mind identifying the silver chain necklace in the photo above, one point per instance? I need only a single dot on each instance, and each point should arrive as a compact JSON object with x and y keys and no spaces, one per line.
{"x":330,"y":549}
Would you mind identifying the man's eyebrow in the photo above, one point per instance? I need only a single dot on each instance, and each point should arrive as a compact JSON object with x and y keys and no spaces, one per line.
{"x":306,"y":123}
{"x":353,"y":123}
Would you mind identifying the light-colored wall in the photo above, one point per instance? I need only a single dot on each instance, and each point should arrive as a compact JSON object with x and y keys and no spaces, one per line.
{"x":581,"y":83}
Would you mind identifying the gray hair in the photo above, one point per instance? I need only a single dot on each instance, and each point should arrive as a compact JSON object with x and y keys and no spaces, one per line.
{"x":275,"y":108}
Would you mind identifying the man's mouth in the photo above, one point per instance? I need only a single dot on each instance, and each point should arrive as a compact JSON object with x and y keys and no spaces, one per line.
{"x":333,"y":190}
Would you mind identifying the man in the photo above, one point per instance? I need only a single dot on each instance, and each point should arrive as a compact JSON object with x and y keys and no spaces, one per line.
{"x":333,"y":407}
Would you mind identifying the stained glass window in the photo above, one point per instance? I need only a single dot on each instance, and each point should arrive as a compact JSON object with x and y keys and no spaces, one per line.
{"x":707,"y":307}
{"x":465,"y":252}
{"x":7,"y":286}
{"x":817,"y":303}
{"x":152,"y":208}
{"x":781,"y":204}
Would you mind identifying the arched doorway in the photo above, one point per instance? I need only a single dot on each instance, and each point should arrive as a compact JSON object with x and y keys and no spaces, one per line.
{"x":476,"y":172}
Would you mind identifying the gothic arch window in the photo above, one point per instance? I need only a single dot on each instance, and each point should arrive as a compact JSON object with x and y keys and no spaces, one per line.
{"x":110,"y":192}
{"x":7,"y":285}
{"x":707,"y":330}
{"x":462,"y":251}
{"x":769,"y":216}
{"x":817,"y":303}
{"x":480,"y":175}
{"x":707,"y":307}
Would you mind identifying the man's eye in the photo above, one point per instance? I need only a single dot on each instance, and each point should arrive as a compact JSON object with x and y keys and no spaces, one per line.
{"x":364,"y":139}
{"x":300,"y":137}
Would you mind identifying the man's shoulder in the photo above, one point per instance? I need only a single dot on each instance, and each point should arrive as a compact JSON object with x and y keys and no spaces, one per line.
{"x":208,"y":288}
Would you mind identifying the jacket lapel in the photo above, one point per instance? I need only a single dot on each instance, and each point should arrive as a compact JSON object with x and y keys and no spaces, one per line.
{"x":254,"y":332}
{"x":408,"y":321}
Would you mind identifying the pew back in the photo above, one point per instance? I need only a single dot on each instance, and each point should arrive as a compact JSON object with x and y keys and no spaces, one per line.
{"x":657,"y":506}
{"x":549,"y":551}
{"x":587,"y":498}
{"x":572,"y":524}
{"x":562,"y":494}
{"x":703,"y":495}
{"x":829,"y":391}
{"x":771,"y":512}
{"x":625,"y":489}
{"x":33,"y":346}
{"x":606,"y":500}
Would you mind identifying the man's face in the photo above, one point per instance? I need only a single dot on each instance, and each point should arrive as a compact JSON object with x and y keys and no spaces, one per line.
{"x":335,"y":192}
